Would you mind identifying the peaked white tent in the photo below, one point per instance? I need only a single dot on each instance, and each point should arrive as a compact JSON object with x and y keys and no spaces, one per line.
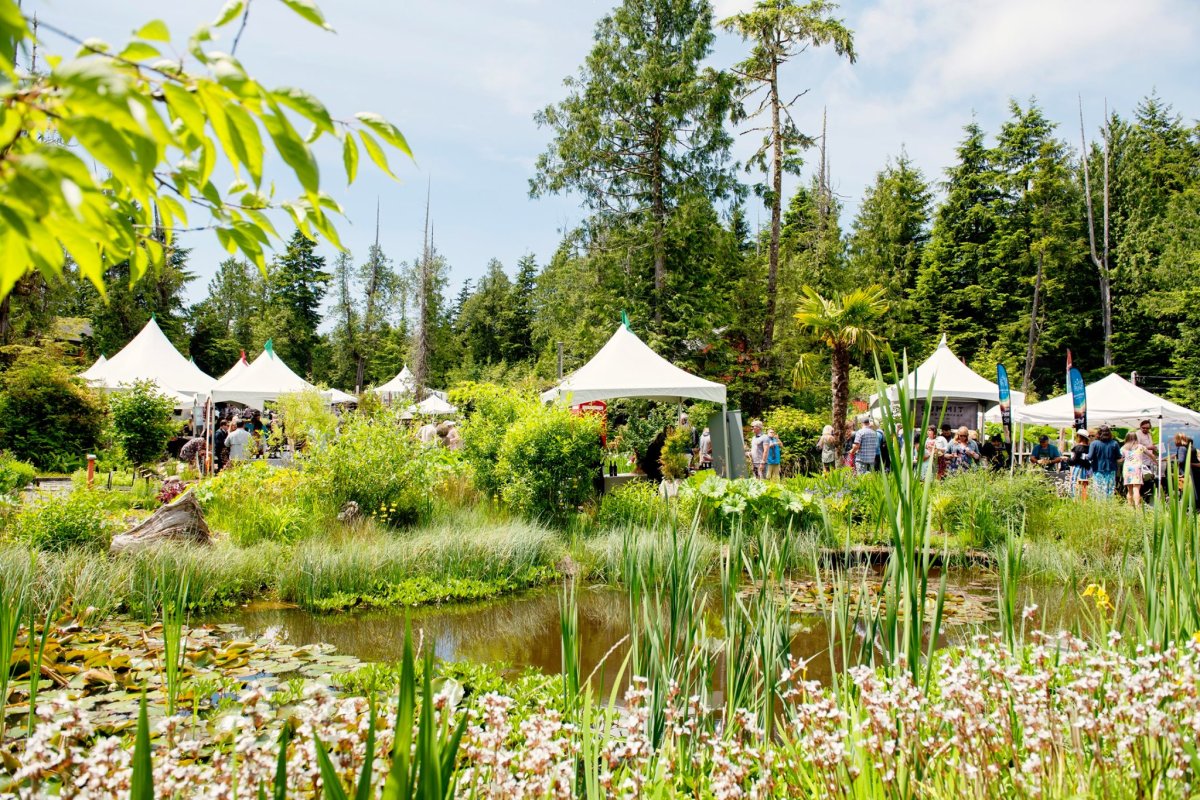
{"x":150,"y":356}
{"x":403,"y":383}
{"x":964,"y":392}
{"x":95,"y":370}
{"x":627,"y":367}
{"x":261,"y":381}
{"x":337,"y":397}
{"x":237,"y":367}
{"x":433,"y":405}
{"x":1112,"y":400}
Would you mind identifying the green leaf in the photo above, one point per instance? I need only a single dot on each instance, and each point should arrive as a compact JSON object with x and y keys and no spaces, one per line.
{"x":155,"y":30}
{"x":252,"y":145}
{"x":330,"y":783}
{"x":376,"y":153}
{"x":186,"y":107}
{"x":279,"y":788}
{"x":105,"y":143}
{"x":386,"y":131}
{"x":229,"y":12}
{"x":139,"y":51}
{"x":306,"y":106}
{"x":309,"y":11}
{"x":141,"y":785}
{"x":350,"y":157}
{"x":293,"y":150}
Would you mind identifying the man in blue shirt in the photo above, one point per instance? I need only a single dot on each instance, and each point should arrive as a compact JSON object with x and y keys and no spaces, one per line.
{"x":1045,"y":453}
{"x":865,"y":449}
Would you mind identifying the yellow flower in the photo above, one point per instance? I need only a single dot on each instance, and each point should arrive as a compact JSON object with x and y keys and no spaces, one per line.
{"x":1100,"y":595}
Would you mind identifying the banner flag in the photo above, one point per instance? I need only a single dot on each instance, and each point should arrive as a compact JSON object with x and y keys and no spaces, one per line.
{"x":1005,"y":400}
{"x":1079,"y":397}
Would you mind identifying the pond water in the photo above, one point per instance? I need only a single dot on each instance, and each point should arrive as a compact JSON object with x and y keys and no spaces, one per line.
{"x":523,"y":630}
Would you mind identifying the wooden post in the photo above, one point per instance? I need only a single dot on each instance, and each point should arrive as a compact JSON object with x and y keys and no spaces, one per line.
{"x":91,"y":470}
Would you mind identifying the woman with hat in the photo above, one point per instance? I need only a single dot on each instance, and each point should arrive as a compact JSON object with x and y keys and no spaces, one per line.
{"x":1081,"y":468}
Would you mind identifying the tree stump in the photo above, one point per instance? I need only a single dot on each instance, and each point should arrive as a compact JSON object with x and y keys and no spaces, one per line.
{"x":181,"y":521}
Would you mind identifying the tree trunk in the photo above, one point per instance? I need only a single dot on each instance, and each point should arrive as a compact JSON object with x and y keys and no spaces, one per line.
{"x":840,"y":384}
{"x":179,"y":522}
{"x":776,"y":213}
{"x":1031,"y":350}
{"x":1099,"y":259}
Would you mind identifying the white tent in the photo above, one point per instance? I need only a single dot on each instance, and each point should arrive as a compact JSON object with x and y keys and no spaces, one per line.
{"x":1110,"y":401}
{"x":237,"y":367}
{"x":95,"y":370}
{"x":964,"y":392}
{"x":433,"y":405}
{"x":337,"y":397}
{"x":403,"y":383}
{"x":150,"y":356}
{"x":261,"y":381}
{"x":627,"y":367}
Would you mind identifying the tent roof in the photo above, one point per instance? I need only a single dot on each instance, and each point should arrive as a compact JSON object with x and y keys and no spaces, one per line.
{"x":150,"y":356}
{"x":95,"y":370}
{"x":627,"y":367}
{"x":1112,"y":400}
{"x":261,"y":381}
{"x":237,"y":367}
{"x":338,"y":397}
{"x":403,"y":383}
{"x":433,"y":405}
{"x":951,"y":378}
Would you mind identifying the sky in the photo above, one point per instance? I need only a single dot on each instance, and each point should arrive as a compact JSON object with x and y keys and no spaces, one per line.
{"x":463,"y":78}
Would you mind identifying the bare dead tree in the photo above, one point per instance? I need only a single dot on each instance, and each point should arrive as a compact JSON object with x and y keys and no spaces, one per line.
{"x":424,"y":278}
{"x":1100,"y":258}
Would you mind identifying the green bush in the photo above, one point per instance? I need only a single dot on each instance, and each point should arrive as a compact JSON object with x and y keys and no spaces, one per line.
{"x":377,"y":464}
{"x":14,"y":474}
{"x":674,"y":457}
{"x":752,"y":503}
{"x":255,"y":502}
{"x":981,"y":506}
{"x":142,"y":424}
{"x":489,"y":410}
{"x":548,"y":462}
{"x":306,"y":415}
{"x":798,"y":432}
{"x":58,"y":523}
{"x":47,"y":417}
{"x":639,"y":503}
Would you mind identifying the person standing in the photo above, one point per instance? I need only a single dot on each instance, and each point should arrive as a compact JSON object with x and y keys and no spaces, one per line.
{"x":960,"y":455}
{"x":1104,"y":454}
{"x":1133,"y":469}
{"x":219,"y":437}
{"x":239,"y":441}
{"x":828,"y":447}
{"x":865,"y":448}
{"x":774,"y":456}
{"x":706,"y":449}
{"x":1081,"y":467}
{"x":934,"y":448}
{"x":758,"y":448}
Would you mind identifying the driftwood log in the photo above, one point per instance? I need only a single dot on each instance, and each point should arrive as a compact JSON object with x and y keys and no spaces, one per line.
{"x":181,"y":521}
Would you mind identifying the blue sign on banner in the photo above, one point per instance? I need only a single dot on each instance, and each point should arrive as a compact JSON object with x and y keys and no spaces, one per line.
{"x":1005,"y":399}
{"x":1078,"y":398}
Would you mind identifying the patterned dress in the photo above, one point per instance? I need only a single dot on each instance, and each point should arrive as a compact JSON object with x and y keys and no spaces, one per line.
{"x":1134,"y":465}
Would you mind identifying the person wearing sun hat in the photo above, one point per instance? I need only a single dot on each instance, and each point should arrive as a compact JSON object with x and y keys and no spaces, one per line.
{"x":1081,"y":468}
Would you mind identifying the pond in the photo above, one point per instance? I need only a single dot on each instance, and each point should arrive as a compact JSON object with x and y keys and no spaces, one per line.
{"x":523,"y":630}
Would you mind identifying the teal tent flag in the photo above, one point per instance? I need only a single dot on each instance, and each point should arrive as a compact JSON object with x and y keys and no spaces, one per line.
{"x":625,"y":321}
{"x":1078,"y":398}
{"x":1005,"y":399}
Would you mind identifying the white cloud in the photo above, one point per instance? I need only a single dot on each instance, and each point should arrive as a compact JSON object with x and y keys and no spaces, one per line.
{"x":727,"y":8}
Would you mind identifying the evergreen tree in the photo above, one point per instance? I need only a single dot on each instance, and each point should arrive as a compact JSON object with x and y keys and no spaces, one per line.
{"x":887,"y":242}
{"x":519,"y":346}
{"x":643,"y":126}
{"x":485,"y":321}
{"x":297,"y":284}
{"x":223,"y":323}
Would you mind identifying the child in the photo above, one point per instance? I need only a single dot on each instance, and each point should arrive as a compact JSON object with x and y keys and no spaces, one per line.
{"x":1133,"y":467}
{"x":1081,"y":470}
{"x":774,"y":455}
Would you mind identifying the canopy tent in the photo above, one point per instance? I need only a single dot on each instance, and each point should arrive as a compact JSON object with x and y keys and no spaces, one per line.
{"x":237,"y":367}
{"x":261,"y":381}
{"x":95,"y":370}
{"x":150,"y":356}
{"x":1112,"y":400}
{"x":627,"y":367}
{"x":433,"y":406}
{"x":337,"y":397}
{"x":403,"y":383}
{"x":964,"y":392}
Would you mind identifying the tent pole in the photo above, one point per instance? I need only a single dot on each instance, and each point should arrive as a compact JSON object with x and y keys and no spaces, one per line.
{"x":725,"y":444}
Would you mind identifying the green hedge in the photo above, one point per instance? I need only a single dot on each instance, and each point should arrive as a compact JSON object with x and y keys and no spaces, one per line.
{"x":549,"y":461}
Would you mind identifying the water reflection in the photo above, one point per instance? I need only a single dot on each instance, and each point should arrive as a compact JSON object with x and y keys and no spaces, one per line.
{"x":523,"y":631}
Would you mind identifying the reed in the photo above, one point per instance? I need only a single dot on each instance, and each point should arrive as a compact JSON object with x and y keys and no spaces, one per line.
{"x":174,"y":609}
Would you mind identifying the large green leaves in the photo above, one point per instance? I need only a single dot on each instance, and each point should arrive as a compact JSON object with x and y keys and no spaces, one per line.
{"x":144,"y":145}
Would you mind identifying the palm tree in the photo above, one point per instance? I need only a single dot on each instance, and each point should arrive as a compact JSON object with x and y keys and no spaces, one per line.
{"x":846,"y":324}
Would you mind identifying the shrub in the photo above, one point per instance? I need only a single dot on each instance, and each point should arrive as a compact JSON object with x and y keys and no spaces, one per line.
{"x":306,"y":415}
{"x":674,"y":457}
{"x":14,"y":474}
{"x":58,"y":523}
{"x":47,"y":417}
{"x":548,"y":462}
{"x":490,"y":410}
{"x":640,"y":503}
{"x":798,"y":432}
{"x":982,"y":506}
{"x":255,"y":502}
{"x":752,"y":503}
{"x":381,"y":467}
{"x":142,"y":424}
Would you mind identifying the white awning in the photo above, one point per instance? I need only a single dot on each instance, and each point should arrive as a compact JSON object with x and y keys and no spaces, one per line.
{"x":1112,"y":400}
{"x":951,"y":379}
{"x":627,"y":367}
{"x":432,"y":406}
{"x":260,"y":382}
{"x":403,"y":383}
{"x":150,"y":356}
{"x":337,"y":397}
{"x":95,"y":370}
